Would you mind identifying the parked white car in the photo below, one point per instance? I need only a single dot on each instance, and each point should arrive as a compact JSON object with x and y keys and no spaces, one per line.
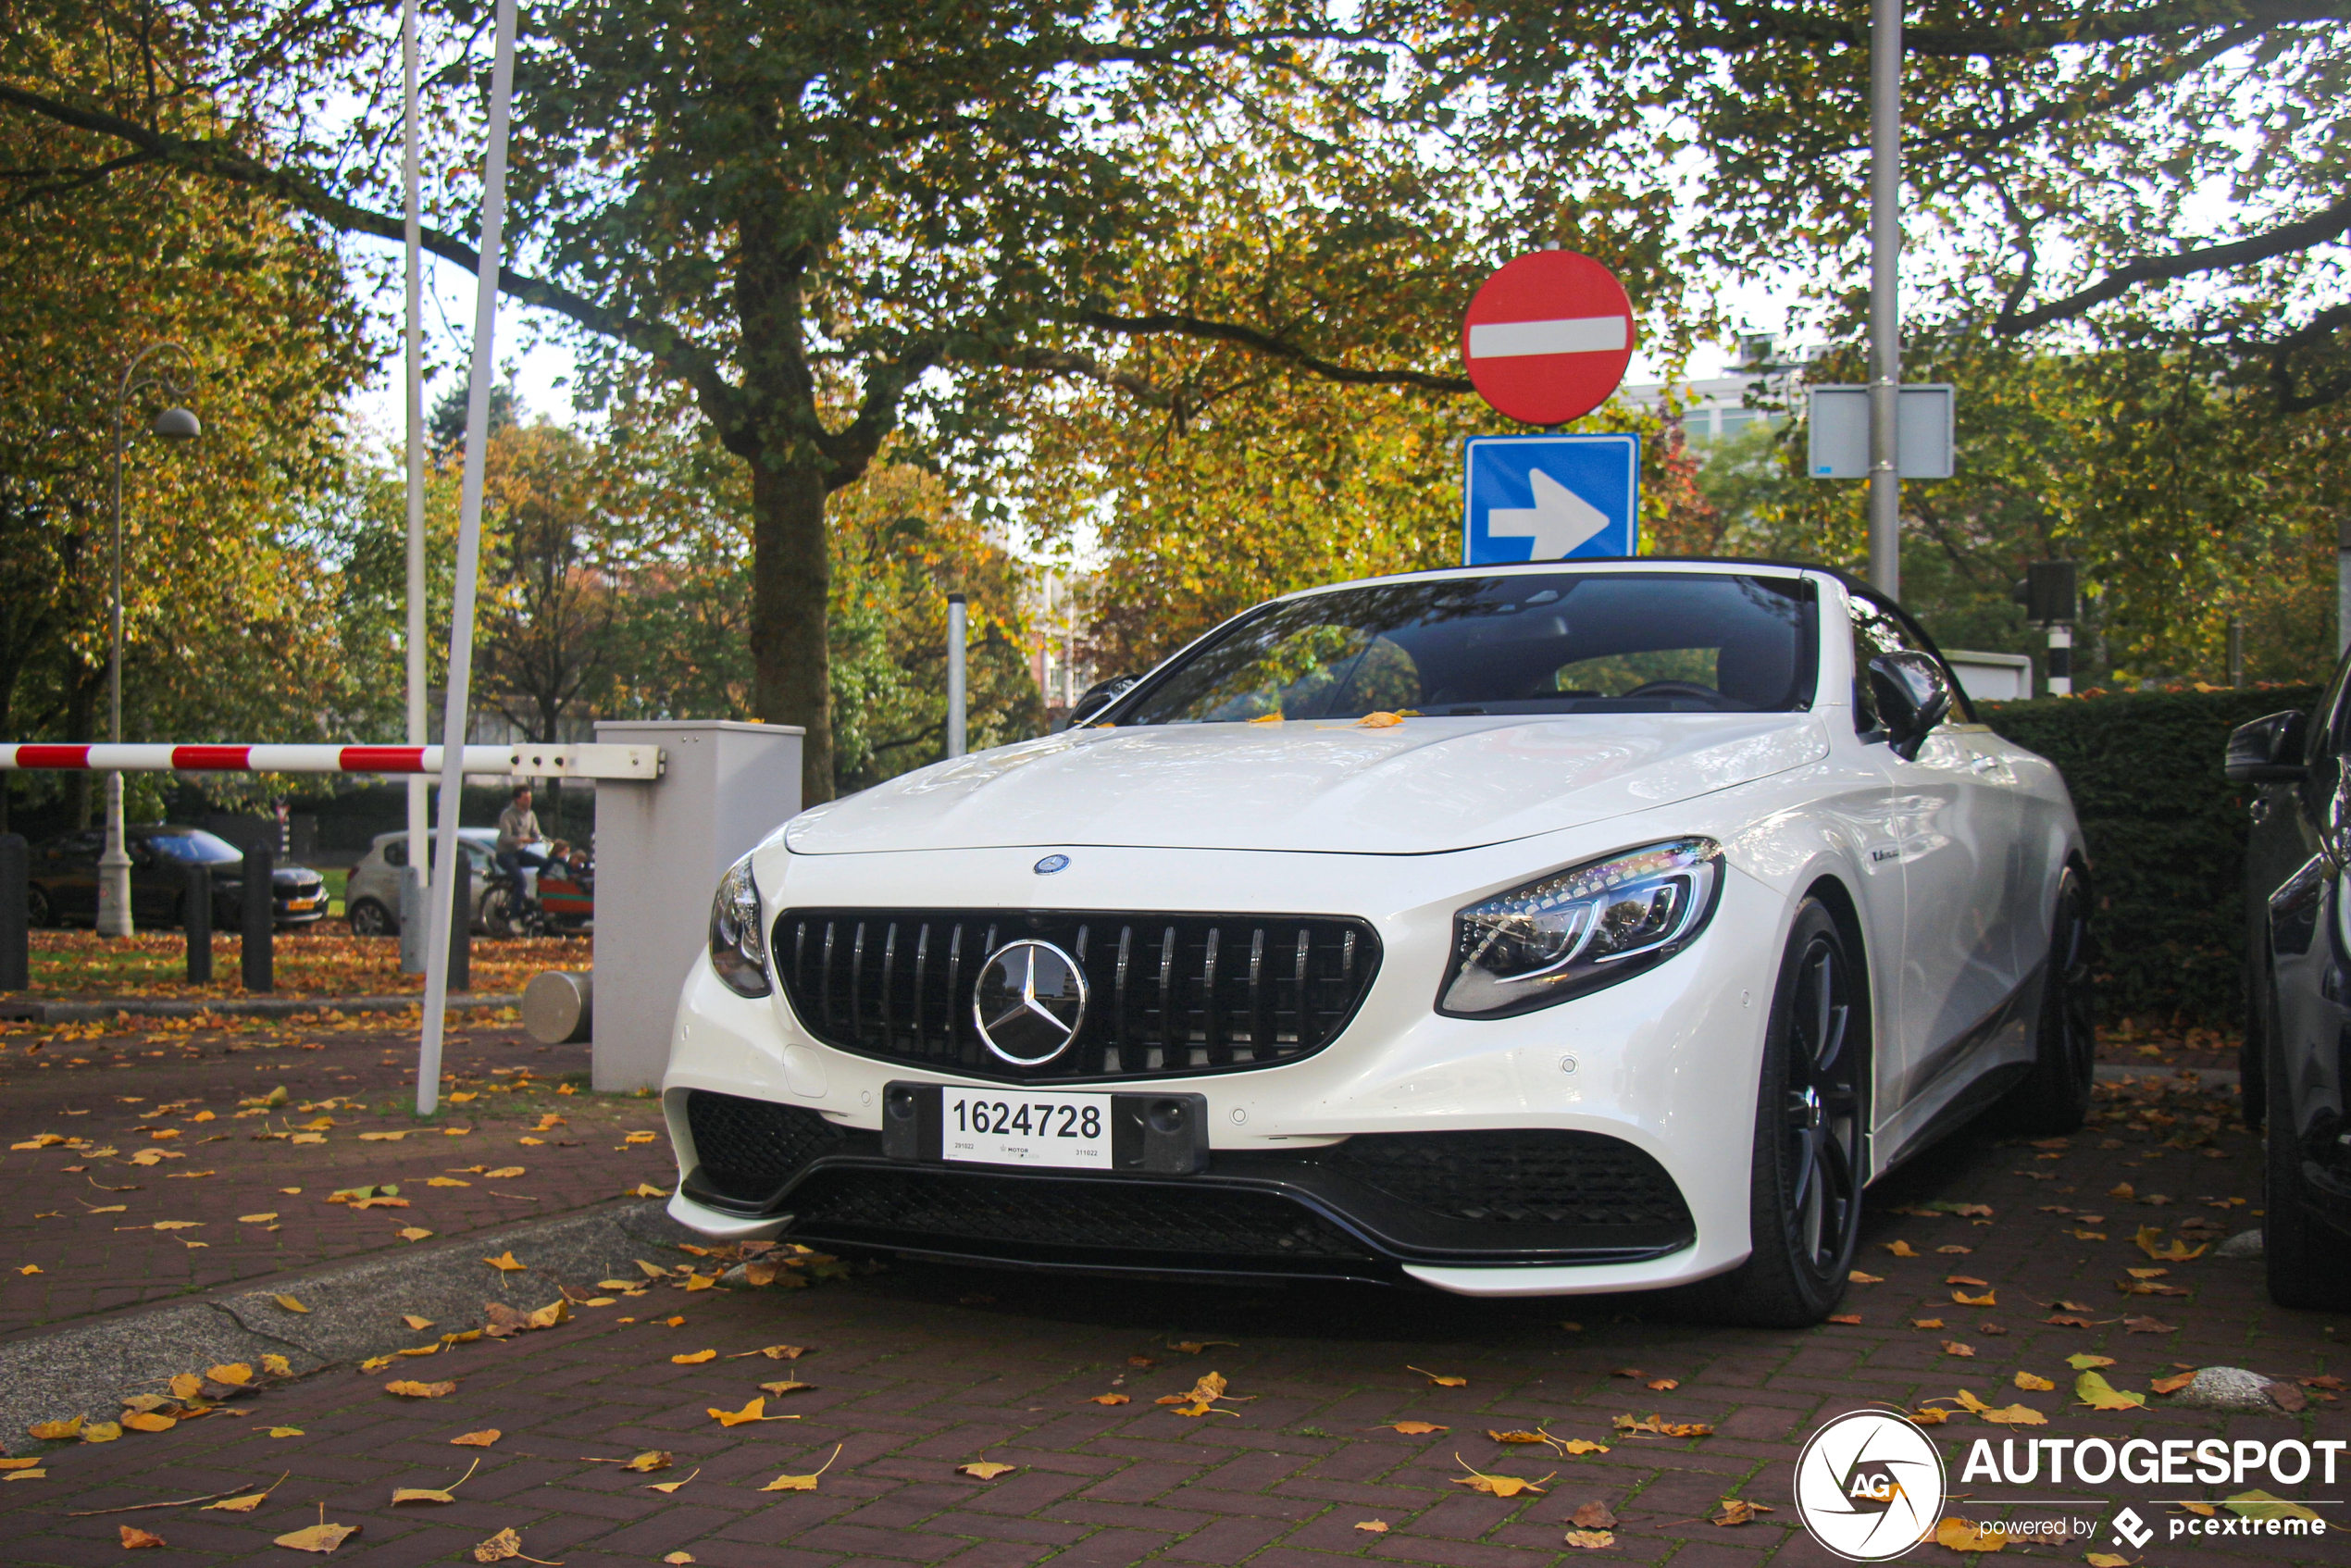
{"x":371,"y":894}
{"x":1563,"y":929}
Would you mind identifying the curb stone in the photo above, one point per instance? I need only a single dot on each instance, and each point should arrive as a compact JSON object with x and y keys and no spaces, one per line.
{"x":244,"y":1007}
{"x":353,"y":1314}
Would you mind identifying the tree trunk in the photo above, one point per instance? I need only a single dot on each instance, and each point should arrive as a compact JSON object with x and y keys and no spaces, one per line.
{"x":792,"y":587}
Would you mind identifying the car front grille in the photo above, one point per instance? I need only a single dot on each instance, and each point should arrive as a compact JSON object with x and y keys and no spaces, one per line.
{"x":1156,"y":1219}
{"x":1171,"y":995}
{"x":749,"y":1148}
{"x":1519,"y":1178}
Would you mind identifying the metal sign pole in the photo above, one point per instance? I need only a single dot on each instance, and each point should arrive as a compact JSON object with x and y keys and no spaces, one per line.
{"x":418,"y":824}
{"x":443,"y":901}
{"x":1885,"y":303}
{"x":955,"y":711}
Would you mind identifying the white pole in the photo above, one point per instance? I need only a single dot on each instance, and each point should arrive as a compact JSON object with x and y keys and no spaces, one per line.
{"x":955,"y":634}
{"x":443,"y":901}
{"x":419,"y":824}
{"x":1886,"y":302}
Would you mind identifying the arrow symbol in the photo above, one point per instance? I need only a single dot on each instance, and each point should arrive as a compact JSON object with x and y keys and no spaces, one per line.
{"x":1559,"y":521}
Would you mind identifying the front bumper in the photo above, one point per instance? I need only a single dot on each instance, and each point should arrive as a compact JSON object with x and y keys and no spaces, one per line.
{"x":1664,"y":1064}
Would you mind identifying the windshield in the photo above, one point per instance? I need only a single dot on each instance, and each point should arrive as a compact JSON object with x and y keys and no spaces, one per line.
{"x":195,"y":847}
{"x":1533,"y":643}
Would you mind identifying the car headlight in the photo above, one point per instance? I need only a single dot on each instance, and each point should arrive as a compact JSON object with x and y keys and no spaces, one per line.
{"x":1574,"y":931}
{"x":738,"y":950}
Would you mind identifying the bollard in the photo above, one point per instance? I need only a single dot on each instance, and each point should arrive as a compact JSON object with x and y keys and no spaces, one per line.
{"x":461,"y":949}
{"x":257,"y":906}
{"x":15,"y":899}
{"x":555,"y":1006}
{"x":416,"y":921}
{"x":196,"y":919}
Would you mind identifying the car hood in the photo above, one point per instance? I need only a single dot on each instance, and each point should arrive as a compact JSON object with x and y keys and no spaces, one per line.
{"x":1420,"y":787}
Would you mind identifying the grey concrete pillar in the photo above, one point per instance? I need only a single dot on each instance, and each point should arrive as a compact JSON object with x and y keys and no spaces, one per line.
{"x":660,"y":850}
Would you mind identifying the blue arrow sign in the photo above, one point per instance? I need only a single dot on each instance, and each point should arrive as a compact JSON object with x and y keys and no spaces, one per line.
{"x":1547,"y":498}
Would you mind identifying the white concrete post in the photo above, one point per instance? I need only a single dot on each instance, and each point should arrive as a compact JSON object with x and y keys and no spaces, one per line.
{"x":958,"y":633}
{"x":660,"y":850}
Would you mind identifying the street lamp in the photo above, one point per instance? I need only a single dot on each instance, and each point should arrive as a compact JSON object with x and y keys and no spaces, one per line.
{"x":173,"y":424}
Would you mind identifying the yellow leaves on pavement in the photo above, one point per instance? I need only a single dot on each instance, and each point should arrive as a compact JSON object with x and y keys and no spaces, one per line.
{"x":432,"y":1494}
{"x":319,"y":1538}
{"x":1413,"y":1428}
{"x":646,"y":1189}
{"x":1861,"y":1276}
{"x":1517,"y":1436}
{"x":236,"y":1373}
{"x":1370,"y":1526}
{"x":666,"y":1487}
{"x":1582,"y":1445}
{"x":755,"y":1410}
{"x":503,"y":1172}
{"x":2122,"y":1190}
{"x":2094,"y":1390}
{"x":409,"y":1389}
{"x":256,"y":1219}
{"x":290,"y":1303}
{"x":801,"y":1483}
{"x":412,"y":1233}
{"x":100,"y":1431}
{"x":1496,"y":1486}
{"x":787,"y":1386}
{"x":1901,"y":1249}
{"x":247,"y":1504}
{"x":2171,"y":1384}
{"x":1954,"y":1348}
{"x":2083,"y":1361}
{"x":1591,"y":1540}
{"x":694,"y":1358}
{"x":1438,"y":1378}
{"x":57,"y":1431}
{"x":638,"y":1138}
{"x":2107,"y":1560}
{"x":41,"y":1140}
{"x":1202,"y":1397}
{"x":385,"y":1137}
{"x":480,"y":1439}
{"x":30,"y":1268}
{"x":2033,"y":1383}
{"x":507,"y":1543}
{"x":445,"y":1181}
{"x":505,"y":1263}
{"x":985,"y":1469}
{"x":1739,"y":1511}
{"x":277,"y":1366}
{"x":2176,"y":1252}
{"x":1108,"y":1399}
{"x":133,"y":1537}
{"x":1966,"y":1534}
{"x":1964,"y":1299}
{"x":1653,"y":1427}
{"x":652,"y":1271}
{"x":148,"y":1421}
{"x":644,"y":1464}
{"x":285,"y":1432}
{"x":2007,"y":1416}
{"x":1926,"y":1323}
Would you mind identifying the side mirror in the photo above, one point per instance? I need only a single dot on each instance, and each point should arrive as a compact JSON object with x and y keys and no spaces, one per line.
{"x":1913,"y":696}
{"x":1099,"y":695}
{"x":2268,"y":751}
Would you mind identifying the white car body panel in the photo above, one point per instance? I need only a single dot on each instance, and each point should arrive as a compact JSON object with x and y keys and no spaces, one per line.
{"x":1948,"y":864}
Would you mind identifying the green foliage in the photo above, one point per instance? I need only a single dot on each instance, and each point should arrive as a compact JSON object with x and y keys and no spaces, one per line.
{"x":2183,"y":499}
{"x":2165,"y":835}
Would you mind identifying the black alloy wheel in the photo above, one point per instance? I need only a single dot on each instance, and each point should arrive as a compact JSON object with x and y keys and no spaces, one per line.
{"x":2055,"y":1096}
{"x":1804,"y":1217}
{"x":38,"y":913}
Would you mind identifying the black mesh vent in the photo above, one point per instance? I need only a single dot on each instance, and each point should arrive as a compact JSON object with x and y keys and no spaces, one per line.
{"x":1515,"y":1178}
{"x":748,"y":1149}
{"x":1170,"y":994}
{"x":1122,"y":1216}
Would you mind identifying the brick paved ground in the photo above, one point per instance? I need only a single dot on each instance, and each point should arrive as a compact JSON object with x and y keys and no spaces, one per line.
{"x":918,"y":1369}
{"x":173,"y":1094}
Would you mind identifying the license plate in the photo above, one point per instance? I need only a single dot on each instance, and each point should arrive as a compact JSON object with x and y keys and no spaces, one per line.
{"x":1068,"y":1131}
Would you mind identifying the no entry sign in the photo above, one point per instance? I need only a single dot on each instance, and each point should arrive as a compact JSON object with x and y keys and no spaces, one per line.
{"x":1548,"y":337}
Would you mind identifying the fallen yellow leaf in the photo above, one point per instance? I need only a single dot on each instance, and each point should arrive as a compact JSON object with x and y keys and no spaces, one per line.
{"x":801,"y":1483}
{"x":2034,"y":1382}
{"x":1965,"y":1534}
{"x":985,"y":1469}
{"x":2094,"y":1390}
{"x":692,"y":1358}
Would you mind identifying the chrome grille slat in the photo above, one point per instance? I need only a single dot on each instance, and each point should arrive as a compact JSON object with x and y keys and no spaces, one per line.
{"x":1173,"y":994}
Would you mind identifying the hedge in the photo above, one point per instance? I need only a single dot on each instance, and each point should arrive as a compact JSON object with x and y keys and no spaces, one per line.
{"x":2166,"y":833}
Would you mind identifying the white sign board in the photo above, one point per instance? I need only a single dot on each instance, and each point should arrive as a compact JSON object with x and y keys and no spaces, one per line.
{"x":1839,"y":425}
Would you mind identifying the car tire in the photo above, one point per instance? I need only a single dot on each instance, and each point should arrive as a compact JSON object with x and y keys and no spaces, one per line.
{"x":497,"y":913}
{"x":2308,"y":1262}
{"x":369,"y":918}
{"x":39,"y":914}
{"x":2055,"y":1096}
{"x":1804,"y":1210}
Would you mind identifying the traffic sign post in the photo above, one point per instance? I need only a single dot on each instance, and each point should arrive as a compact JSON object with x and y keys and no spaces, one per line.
{"x":1548,"y":337}
{"x":1549,"y":498}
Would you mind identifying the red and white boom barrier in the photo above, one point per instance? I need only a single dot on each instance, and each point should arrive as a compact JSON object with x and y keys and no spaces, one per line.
{"x":529,"y":762}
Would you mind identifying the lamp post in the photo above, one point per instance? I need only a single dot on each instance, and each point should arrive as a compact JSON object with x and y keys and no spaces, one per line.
{"x":173,"y":424}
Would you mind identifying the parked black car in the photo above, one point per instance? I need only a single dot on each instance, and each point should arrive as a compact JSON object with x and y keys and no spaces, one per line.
{"x":65,"y":878}
{"x":2297,"y":1057}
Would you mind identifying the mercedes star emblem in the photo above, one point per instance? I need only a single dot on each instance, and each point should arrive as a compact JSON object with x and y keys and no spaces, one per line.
{"x":1029,"y":1002}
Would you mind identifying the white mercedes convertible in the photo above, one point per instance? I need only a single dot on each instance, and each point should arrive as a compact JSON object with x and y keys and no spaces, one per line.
{"x":1570,"y":927}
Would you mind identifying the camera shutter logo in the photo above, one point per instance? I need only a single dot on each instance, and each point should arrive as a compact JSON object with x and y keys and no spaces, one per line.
{"x":1869,"y":1486}
{"x":1029,"y":1002}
